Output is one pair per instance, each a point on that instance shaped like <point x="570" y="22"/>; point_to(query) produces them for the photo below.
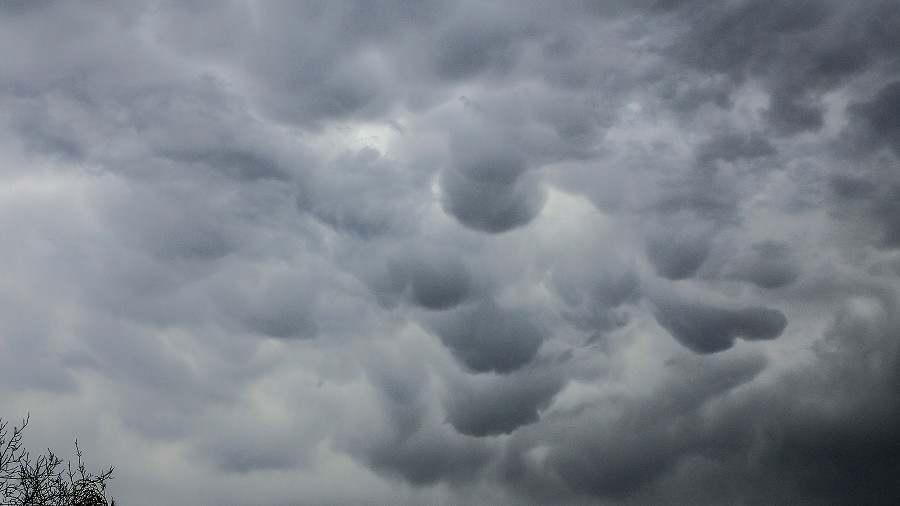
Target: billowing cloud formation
<point x="488" y="338"/>
<point x="708" y="329"/>
<point x="677" y="255"/>
<point x="459" y="252"/>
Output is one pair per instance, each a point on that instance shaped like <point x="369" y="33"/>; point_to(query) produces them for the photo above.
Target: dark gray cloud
<point x="491" y="207"/>
<point x="370" y="199"/>
<point x="730" y="147"/>
<point x="630" y="443"/>
<point x="595" y="290"/>
<point x="708" y="329"/>
<point x="474" y="44"/>
<point x="485" y="337"/>
<point x="874" y="202"/>
<point x="485" y="405"/>
<point x="428" y="458"/>
<point x="456" y="252"/>
<point x="877" y="117"/>
<point x="436" y="281"/>
<point x="798" y="50"/>
<point x="677" y="256"/>
<point x="852" y="188"/>
<point x="283" y="307"/>
<point x="410" y="442"/>
<point x="768" y="264"/>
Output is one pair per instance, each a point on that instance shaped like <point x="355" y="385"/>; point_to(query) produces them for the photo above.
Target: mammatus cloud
<point x="708" y="329"/>
<point x="488" y="338"/>
<point x="456" y="253"/>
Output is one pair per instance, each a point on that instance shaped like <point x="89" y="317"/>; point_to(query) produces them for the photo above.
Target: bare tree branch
<point x="44" y="481"/>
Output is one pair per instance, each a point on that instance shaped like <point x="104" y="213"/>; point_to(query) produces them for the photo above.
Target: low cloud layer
<point x="456" y="252"/>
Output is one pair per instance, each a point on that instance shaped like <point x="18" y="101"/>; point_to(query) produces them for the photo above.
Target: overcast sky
<point x="461" y="252"/>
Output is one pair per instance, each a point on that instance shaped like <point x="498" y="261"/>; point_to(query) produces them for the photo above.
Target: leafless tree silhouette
<point x="46" y="480"/>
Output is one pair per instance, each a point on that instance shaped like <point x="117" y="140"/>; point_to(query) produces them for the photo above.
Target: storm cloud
<point x="456" y="252"/>
<point x="708" y="329"/>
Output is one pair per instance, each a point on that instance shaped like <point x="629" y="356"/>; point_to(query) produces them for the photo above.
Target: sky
<point x="459" y="252"/>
